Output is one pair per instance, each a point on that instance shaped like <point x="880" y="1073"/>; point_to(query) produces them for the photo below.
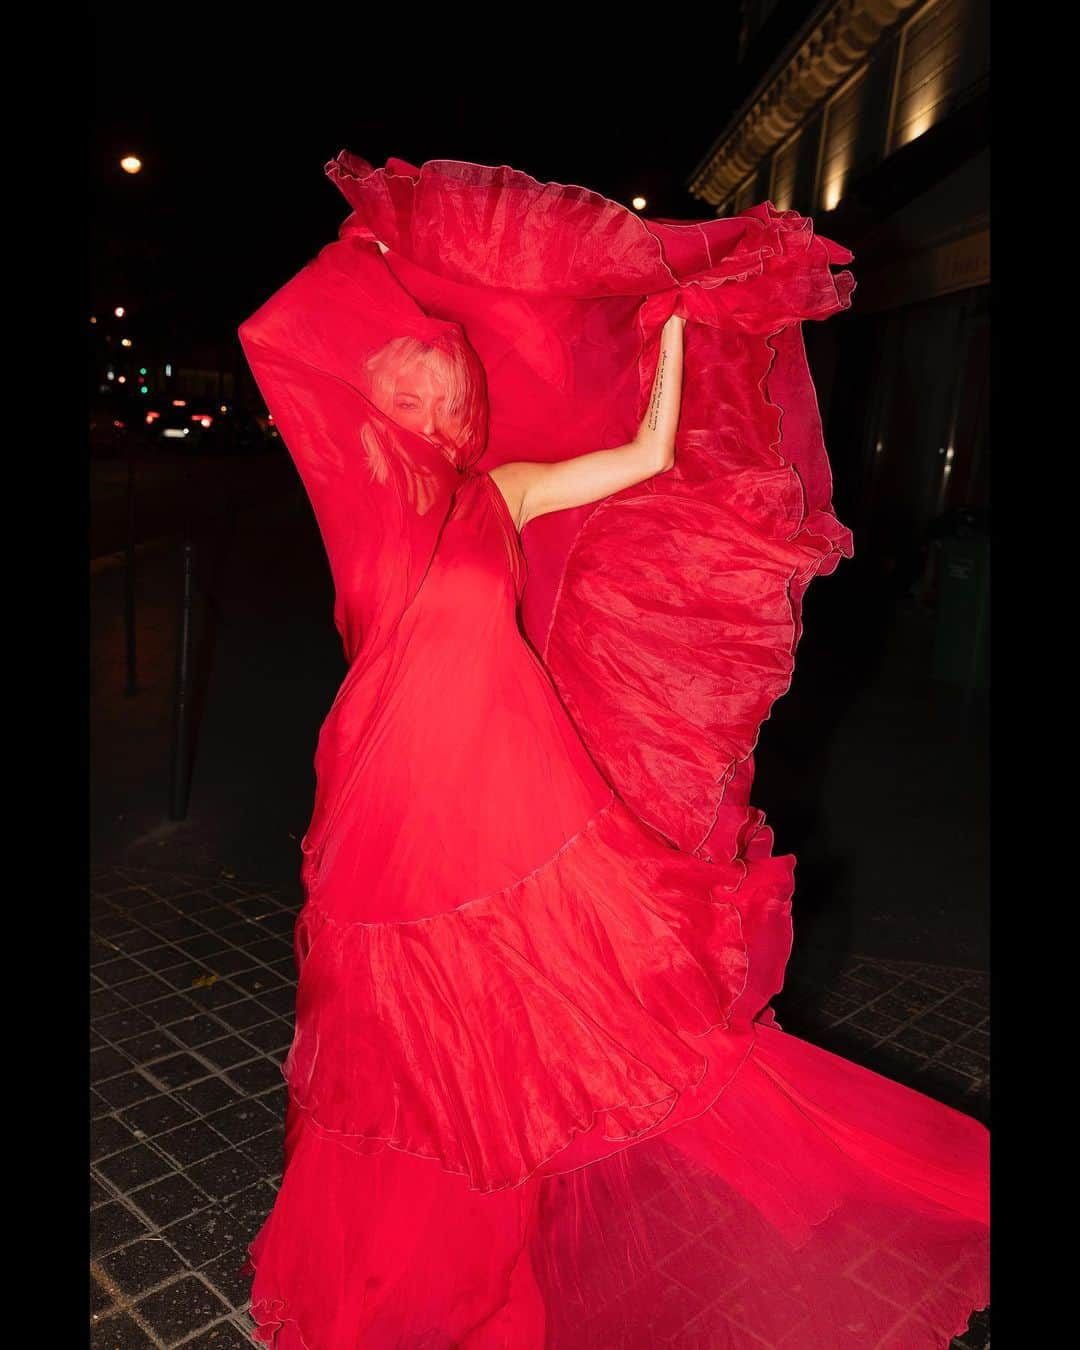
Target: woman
<point x="537" y="1095"/>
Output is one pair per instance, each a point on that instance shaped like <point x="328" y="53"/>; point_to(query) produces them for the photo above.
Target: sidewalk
<point x="191" y="1004"/>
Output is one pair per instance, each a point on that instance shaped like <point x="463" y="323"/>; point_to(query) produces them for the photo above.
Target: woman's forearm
<point x="656" y="434"/>
<point x="533" y="489"/>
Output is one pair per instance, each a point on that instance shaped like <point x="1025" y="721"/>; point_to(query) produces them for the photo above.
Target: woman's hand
<point x="533" y="489"/>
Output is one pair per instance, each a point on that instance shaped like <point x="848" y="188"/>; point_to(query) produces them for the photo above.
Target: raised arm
<point x="534" y="489"/>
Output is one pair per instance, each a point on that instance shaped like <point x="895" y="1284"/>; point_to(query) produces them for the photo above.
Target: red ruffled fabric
<point x="668" y="614"/>
<point x="559" y="1114"/>
<point x="591" y="987"/>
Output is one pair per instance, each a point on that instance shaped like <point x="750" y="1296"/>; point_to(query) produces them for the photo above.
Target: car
<point x="180" y="425"/>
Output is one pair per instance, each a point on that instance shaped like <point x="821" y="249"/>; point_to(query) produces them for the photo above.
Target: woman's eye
<point x="407" y="404"/>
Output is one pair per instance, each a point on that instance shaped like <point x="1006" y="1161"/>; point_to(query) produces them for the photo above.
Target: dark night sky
<point x="235" y="122"/>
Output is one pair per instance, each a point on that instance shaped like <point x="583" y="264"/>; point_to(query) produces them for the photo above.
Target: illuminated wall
<point x="863" y="107"/>
<point x="930" y="64"/>
<point x="841" y="133"/>
<point x="784" y="168"/>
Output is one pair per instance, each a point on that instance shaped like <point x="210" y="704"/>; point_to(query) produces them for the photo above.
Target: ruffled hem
<point x="815" y="1204"/>
<point x="546" y="1025"/>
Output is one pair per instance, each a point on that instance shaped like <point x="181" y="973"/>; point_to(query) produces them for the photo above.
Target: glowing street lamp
<point x="131" y="164"/>
<point x="125" y="342"/>
<point x="119" y="311"/>
<point x="639" y="203"/>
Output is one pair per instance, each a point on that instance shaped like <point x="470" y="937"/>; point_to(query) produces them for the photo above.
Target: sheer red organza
<point x="537" y="1095"/>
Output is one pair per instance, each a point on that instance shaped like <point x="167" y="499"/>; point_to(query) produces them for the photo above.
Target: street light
<point x="125" y="342"/>
<point x="639" y="203"/>
<point x="119" y="311"/>
<point x="131" y="164"/>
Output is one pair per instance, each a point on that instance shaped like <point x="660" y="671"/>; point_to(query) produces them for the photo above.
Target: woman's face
<point x="416" y="400"/>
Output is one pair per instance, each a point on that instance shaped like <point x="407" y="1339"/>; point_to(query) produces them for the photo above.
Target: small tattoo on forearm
<point x="658" y="391"/>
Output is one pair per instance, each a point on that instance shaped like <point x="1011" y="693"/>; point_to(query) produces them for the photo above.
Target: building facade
<point x="872" y="118"/>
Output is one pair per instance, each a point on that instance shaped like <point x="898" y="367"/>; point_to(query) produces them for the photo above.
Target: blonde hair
<point x="453" y="361"/>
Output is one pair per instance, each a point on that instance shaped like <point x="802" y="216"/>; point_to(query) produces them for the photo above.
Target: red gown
<point x="537" y="1095"/>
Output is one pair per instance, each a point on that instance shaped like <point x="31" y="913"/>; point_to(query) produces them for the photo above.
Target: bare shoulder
<point x="513" y="481"/>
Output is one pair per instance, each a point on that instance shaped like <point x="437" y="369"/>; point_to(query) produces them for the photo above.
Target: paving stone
<point x="98" y="1105"/>
<point x="230" y="961"/>
<point x="922" y="1042"/>
<point x="257" y="1076"/>
<point x="101" y="1300"/>
<point x="135" y="941"/>
<point x="267" y="1150"/>
<point x="181" y="1308"/>
<point x="107" y="1062"/>
<point x="224" y="1273"/>
<point x="179" y="1070"/>
<point x="134" y="1167"/>
<point x="258" y="981"/>
<point x="203" y="945"/>
<point x="164" y="959"/>
<point x="149" y="1046"/>
<point x="964" y="1059"/>
<point x="104" y="1002"/>
<point x="225" y="1173"/>
<point x="223" y="1336"/>
<point x="144" y="990"/>
<point x="871" y="1019"/>
<point x="244" y="1015"/>
<point x="209" y="1095"/>
<point x="195" y="1031"/>
<point x="143" y="1265"/>
<point x="111" y="1226"/>
<point x="117" y="971"/>
<point x="171" y="1198"/>
<point x="108" y="1135"/>
<point x="205" y="1235"/>
<point x="119" y="1332"/>
<point x="172" y="1008"/>
<point x="280" y="1001"/>
<point x="179" y="929"/>
<point x="191" y="1143"/>
<point x="272" y="1037"/>
<point x="228" y="1051"/>
<point x="242" y="1121"/>
<point x="187" y="975"/>
<point x="947" y="1027"/>
<point x="126" y="1089"/>
<point x="121" y="1026"/>
<point x="251" y="1206"/>
<point x="157" y="1115"/>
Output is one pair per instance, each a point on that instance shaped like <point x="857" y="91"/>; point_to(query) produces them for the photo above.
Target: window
<point x="841" y="137"/>
<point x="785" y="162"/>
<point x="930" y="68"/>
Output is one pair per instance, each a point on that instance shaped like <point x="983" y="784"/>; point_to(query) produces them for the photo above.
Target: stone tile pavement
<point x="191" y="1004"/>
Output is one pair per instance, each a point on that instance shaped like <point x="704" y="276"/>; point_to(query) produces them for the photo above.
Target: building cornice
<point x="837" y="40"/>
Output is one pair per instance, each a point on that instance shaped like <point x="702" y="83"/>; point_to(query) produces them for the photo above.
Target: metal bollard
<point x="129" y="581"/>
<point x="179" y="784"/>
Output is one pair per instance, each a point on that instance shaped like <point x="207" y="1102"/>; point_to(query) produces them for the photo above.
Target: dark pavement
<point x="870" y="772"/>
